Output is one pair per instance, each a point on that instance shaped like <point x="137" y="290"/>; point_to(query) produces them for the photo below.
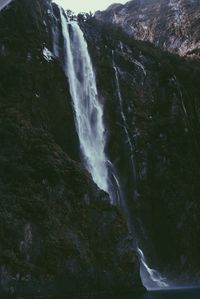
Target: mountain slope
<point x="173" y="25"/>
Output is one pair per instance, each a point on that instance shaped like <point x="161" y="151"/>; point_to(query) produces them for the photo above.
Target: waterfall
<point x="150" y="277"/>
<point x="4" y="3"/>
<point x="123" y="117"/>
<point x="90" y="128"/>
<point x="87" y="107"/>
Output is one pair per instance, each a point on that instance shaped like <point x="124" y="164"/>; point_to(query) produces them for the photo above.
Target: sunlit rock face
<point x="153" y="102"/>
<point x="170" y="24"/>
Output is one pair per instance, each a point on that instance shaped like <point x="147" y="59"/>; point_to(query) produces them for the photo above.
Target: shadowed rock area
<point x="58" y="232"/>
<point x="160" y="103"/>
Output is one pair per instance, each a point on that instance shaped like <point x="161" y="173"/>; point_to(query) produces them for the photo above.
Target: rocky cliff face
<point x="58" y="232"/>
<point x="173" y="25"/>
<point x="152" y="116"/>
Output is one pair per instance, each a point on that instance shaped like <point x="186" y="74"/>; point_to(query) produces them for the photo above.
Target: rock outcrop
<point x="173" y="25"/>
<point x="59" y="234"/>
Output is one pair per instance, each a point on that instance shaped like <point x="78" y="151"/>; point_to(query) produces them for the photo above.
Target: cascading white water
<point x="89" y="123"/>
<point x="123" y="116"/>
<point x="88" y="110"/>
<point x="150" y="277"/>
<point x="4" y="3"/>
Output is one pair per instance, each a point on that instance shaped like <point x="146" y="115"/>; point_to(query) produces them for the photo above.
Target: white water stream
<point x="150" y="277"/>
<point x="89" y="123"/>
<point x="88" y="110"/>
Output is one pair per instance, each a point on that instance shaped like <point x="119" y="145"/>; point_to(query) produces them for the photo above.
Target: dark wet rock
<point x="58" y="232"/>
<point x="160" y="95"/>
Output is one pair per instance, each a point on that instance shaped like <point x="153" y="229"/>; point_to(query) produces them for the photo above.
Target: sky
<point x="87" y="5"/>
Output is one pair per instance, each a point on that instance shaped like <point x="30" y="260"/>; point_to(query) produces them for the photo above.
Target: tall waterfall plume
<point x="87" y="107"/>
<point x="90" y="127"/>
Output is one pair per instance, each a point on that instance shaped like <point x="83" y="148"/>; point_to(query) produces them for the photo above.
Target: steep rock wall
<point x="58" y="232"/>
<point x="160" y="94"/>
